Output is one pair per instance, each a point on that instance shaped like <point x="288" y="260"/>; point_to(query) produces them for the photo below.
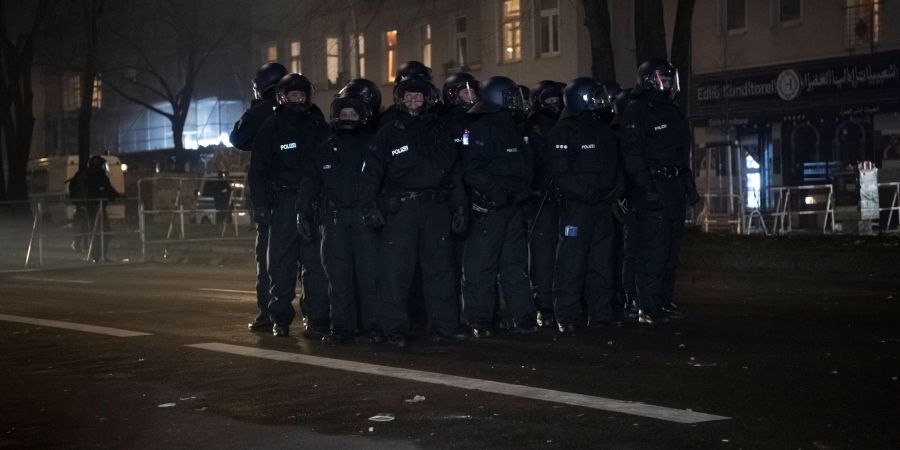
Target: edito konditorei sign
<point x="836" y="83"/>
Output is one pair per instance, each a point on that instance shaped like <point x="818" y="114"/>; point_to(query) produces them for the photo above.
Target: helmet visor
<point x="667" y="81"/>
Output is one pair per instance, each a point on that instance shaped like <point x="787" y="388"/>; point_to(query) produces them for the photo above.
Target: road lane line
<point x="73" y="326"/>
<point x="54" y="280"/>
<point x="227" y="291"/>
<point x="494" y="387"/>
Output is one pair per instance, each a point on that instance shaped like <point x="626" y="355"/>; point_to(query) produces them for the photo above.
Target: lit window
<point x="391" y="41"/>
<point x="863" y="25"/>
<point x="549" y="27"/>
<point x="97" y="98"/>
<point x="462" y="42"/>
<point x="333" y="59"/>
<point x="426" y="44"/>
<point x="358" y="56"/>
<point x="270" y="52"/>
<point x="295" y="57"/>
<point x="512" y="32"/>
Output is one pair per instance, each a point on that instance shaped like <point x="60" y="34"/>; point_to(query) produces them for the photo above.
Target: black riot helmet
<point x="412" y="69"/>
<point x="415" y="84"/>
<point x="294" y="82"/>
<point x="658" y="76"/>
<point x="498" y="94"/>
<point x="353" y="102"/>
<point x="459" y="82"/>
<point x="613" y="89"/>
<point x="585" y="94"/>
<point x="367" y="91"/>
<point x="98" y="163"/>
<point x="266" y="79"/>
<point x="547" y="96"/>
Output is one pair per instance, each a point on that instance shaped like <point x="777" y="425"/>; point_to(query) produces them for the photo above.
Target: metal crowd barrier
<point x="784" y="212"/>
<point x="893" y="209"/>
<point x="179" y="213"/>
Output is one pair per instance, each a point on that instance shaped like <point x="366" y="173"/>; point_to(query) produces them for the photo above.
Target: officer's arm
<point x="373" y="167"/>
<point x="260" y="163"/>
<point x="245" y="129"/>
<point x="458" y="197"/>
<point x="632" y="148"/>
<point x="311" y="184"/>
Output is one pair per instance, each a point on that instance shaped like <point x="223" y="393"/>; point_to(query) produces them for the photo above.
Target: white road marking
<point x="54" y="280"/>
<point x="494" y="387"/>
<point x="73" y="326"/>
<point x="227" y="291"/>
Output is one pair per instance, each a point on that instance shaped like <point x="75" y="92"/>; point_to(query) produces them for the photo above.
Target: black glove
<point x="372" y="217"/>
<point x="261" y="216"/>
<point x="460" y="221"/>
<point x="690" y="188"/>
<point x="304" y="229"/>
<point x="653" y="199"/>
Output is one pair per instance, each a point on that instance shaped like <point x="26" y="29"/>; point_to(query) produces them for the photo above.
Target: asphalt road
<point x="783" y="360"/>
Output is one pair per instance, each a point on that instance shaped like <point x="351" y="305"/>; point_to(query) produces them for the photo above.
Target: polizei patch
<point x="289" y="146"/>
<point x="400" y="150"/>
<point x="661" y="127"/>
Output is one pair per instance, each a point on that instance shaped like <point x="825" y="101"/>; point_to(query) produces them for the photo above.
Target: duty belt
<point x="664" y="172"/>
<point x="423" y="196"/>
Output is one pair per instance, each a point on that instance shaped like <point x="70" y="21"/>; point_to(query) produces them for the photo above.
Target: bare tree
<point x="92" y="10"/>
<point x="649" y="30"/>
<point x="16" y="96"/>
<point x="597" y="21"/>
<point x="681" y="46"/>
<point x="165" y="54"/>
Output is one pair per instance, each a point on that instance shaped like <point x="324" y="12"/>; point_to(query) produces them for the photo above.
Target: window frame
<point x="512" y="21"/>
<point x="333" y="57"/>
<point x="540" y="14"/>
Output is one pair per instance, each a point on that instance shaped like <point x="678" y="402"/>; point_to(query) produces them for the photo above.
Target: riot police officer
<point x="542" y="213"/>
<point x="349" y="245"/>
<point x="498" y="170"/>
<point x="276" y="167"/>
<point x="655" y="150"/>
<point x="627" y="225"/>
<point x="406" y="71"/>
<point x="369" y="93"/>
<point x="412" y="169"/>
<point x="584" y="163"/>
<point x="261" y="108"/>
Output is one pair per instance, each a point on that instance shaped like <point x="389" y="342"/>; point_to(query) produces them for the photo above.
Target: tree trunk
<point x="597" y="21"/>
<point x="649" y="30"/>
<point x="92" y="10"/>
<point x="681" y="49"/>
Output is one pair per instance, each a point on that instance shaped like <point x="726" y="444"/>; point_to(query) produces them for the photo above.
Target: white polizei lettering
<point x="326" y="167"/>
<point x="400" y="150"/>
<point x="588" y="146"/>
<point x="660" y="127"/>
<point x="512" y="150"/>
<point x="289" y="146"/>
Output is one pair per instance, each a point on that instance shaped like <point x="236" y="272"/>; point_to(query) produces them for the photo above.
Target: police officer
<point x="406" y="71"/>
<point x="459" y="94"/>
<point x="498" y="170"/>
<point x="584" y="163"/>
<point x="261" y="108"/>
<point x="349" y="245"/>
<point x="98" y="192"/>
<point x="412" y="168"/>
<point x="624" y="212"/>
<point x="542" y="213"/>
<point x="655" y="150"/>
<point x="369" y="93"/>
<point x="276" y="167"/>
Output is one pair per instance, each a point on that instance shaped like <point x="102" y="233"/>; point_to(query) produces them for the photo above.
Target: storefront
<point x="807" y="123"/>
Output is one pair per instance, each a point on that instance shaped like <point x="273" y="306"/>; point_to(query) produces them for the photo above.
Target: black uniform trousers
<point x="542" y="251"/>
<point x="497" y="244"/>
<point x="418" y="231"/>
<point x="350" y="258"/>
<point x="262" y="272"/>
<point x="288" y="253"/>
<point x="584" y="262"/>
<point x="659" y="241"/>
